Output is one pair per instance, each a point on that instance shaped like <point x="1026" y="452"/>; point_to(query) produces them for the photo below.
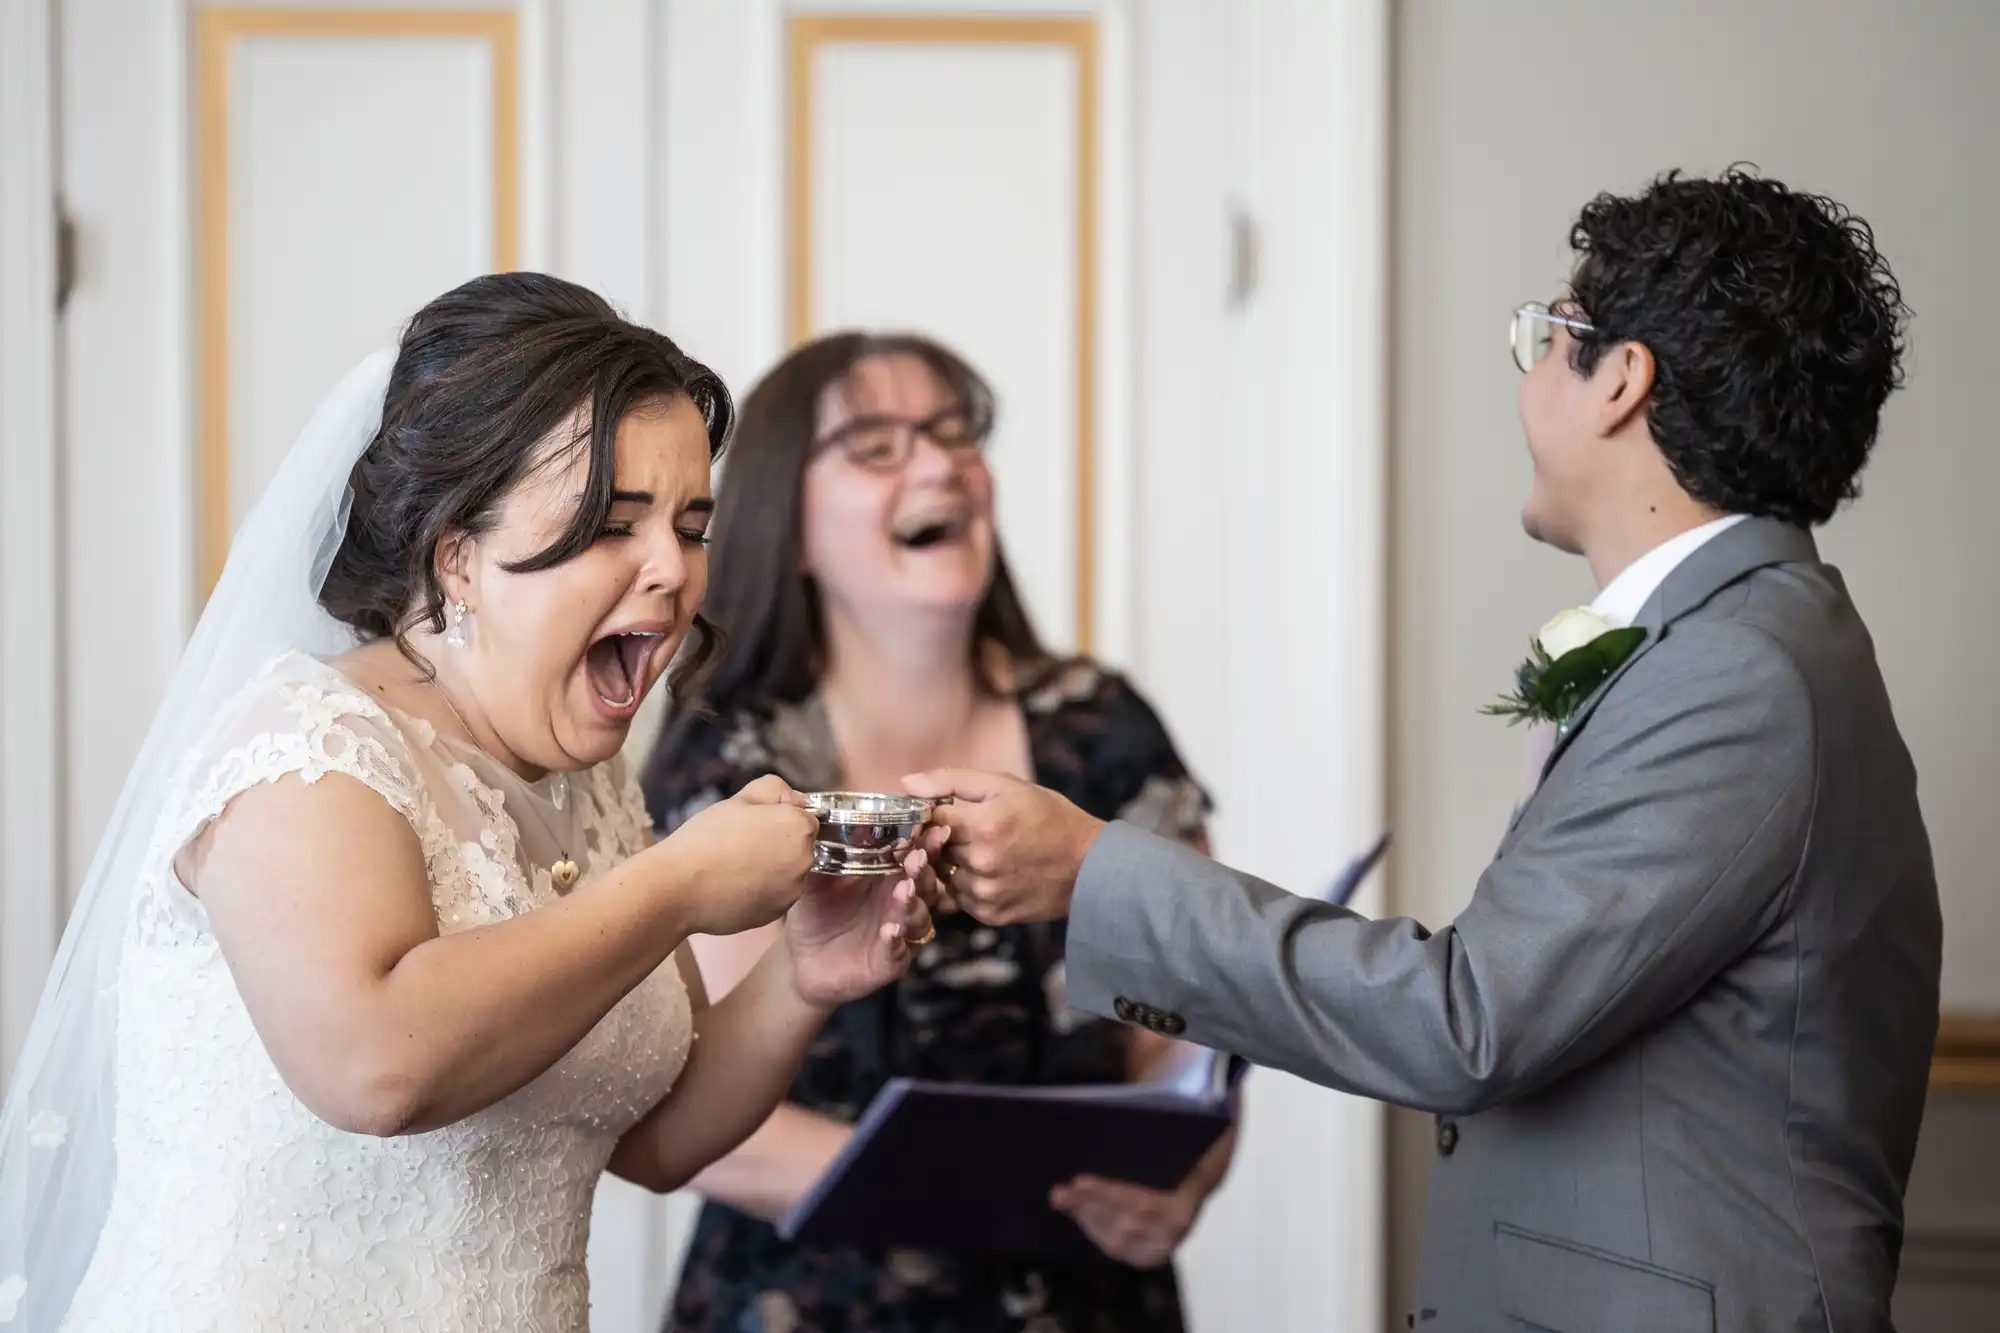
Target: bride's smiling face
<point x="558" y="660"/>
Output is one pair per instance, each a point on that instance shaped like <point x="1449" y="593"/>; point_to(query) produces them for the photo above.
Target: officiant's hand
<point x="1009" y="851"/>
<point x="1131" y="1223"/>
<point x="851" y="936"/>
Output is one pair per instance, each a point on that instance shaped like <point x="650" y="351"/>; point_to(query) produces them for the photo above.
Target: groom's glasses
<point x="1533" y="333"/>
<point x="886" y="444"/>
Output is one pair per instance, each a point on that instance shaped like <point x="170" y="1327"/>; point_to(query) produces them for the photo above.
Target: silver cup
<point x="863" y="832"/>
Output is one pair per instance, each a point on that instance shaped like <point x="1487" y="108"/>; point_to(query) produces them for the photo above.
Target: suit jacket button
<point x="1173" y="1025"/>
<point x="1125" y="1009"/>
<point x="1447" y="1138"/>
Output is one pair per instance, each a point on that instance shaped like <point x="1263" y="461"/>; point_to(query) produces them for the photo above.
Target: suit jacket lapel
<point x="1649" y="622"/>
<point x="1735" y="554"/>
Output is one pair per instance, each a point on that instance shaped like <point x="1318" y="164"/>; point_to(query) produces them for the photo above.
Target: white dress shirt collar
<point x="1625" y="596"/>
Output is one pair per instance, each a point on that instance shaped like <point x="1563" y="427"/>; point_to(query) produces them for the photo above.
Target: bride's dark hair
<point x="484" y="375"/>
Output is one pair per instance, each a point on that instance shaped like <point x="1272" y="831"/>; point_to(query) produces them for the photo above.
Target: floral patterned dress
<point x="979" y="1005"/>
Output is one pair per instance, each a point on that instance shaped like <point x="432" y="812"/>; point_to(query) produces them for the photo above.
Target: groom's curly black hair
<point x="1776" y="328"/>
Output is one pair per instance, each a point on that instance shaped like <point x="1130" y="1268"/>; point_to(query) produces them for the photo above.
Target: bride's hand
<point x="746" y="858"/>
<point x="850" y="936"/>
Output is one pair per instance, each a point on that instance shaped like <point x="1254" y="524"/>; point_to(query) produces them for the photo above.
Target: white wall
<point x="1508" y="119"/>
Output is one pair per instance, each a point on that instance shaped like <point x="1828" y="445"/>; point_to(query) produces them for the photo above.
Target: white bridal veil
<point x="57" y="1160"/>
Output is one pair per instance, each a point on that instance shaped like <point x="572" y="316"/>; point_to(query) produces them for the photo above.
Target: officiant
<point x="874" y="630"/>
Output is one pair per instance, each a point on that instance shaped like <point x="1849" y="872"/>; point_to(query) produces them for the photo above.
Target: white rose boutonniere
<point x="1567" y="659"/>
<point x="1570" y="630"/>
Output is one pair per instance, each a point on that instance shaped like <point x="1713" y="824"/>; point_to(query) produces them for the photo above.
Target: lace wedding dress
<point x="234" y="1207"/>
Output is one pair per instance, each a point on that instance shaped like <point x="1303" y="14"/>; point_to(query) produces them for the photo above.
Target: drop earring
<point x="455" y="616"/>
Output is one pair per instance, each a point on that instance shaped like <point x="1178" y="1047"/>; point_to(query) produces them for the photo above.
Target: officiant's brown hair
<point x="758" y="593"/>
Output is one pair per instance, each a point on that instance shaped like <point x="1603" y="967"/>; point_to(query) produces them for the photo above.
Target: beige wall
<point x="1508" y="117"/>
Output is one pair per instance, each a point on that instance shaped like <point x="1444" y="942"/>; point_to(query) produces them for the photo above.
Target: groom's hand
<point x="1008" y="851"/>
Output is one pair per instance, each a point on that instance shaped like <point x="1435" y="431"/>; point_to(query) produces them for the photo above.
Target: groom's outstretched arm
<point x="1663" y="854"/>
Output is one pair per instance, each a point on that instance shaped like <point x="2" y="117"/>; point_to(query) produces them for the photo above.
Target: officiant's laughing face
<point x="897" y="510"/>
<point x="565" y="655"/>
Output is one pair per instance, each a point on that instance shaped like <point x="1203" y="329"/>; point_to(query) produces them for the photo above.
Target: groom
<point x="1677" y="1045"/>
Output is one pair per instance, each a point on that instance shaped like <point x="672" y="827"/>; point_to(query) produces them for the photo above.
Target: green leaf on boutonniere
<point x="1551" y="690"/>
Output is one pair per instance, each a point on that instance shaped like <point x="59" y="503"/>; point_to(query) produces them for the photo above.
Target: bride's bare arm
<point x="747" y="1049"/>
<point x="843" y="939"/>
<point x="767" y="1171"/>
<point x="319" y="898"/>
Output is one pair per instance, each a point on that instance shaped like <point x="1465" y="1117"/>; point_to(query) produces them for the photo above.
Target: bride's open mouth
<point x="619" y="667"/>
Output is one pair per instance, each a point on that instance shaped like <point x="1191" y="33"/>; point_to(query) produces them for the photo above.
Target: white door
<point x="1190" y="463"/>
<point x="30" y="756"/>
<point x="262" y="193"/>
<point x="1159" y="226"/>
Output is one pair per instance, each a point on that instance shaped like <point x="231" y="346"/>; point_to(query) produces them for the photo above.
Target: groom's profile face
<point x="1558" y="416"/>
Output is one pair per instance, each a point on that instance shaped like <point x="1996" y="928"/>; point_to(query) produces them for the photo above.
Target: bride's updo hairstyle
<point x="484" y="376"/>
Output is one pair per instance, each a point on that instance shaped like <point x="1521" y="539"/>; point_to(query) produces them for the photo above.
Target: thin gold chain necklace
<point x="563" y="872"/>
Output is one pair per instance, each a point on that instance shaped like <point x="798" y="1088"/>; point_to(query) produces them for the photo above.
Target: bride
<point x="378" y="968"/>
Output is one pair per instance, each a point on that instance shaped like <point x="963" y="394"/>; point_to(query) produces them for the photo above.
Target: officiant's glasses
<point x="886" y="444"/>
<point x="1533" y="333"/>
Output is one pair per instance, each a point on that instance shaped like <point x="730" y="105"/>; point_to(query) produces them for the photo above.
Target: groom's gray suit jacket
<point x="1678" y="1043"/>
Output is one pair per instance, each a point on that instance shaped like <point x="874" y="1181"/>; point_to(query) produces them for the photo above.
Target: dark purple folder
<point x="967" y="1168"/>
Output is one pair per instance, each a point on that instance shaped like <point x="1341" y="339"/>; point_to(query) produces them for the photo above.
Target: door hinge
<point x="1242" y="257"/>
<point x="65" y="256"/>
